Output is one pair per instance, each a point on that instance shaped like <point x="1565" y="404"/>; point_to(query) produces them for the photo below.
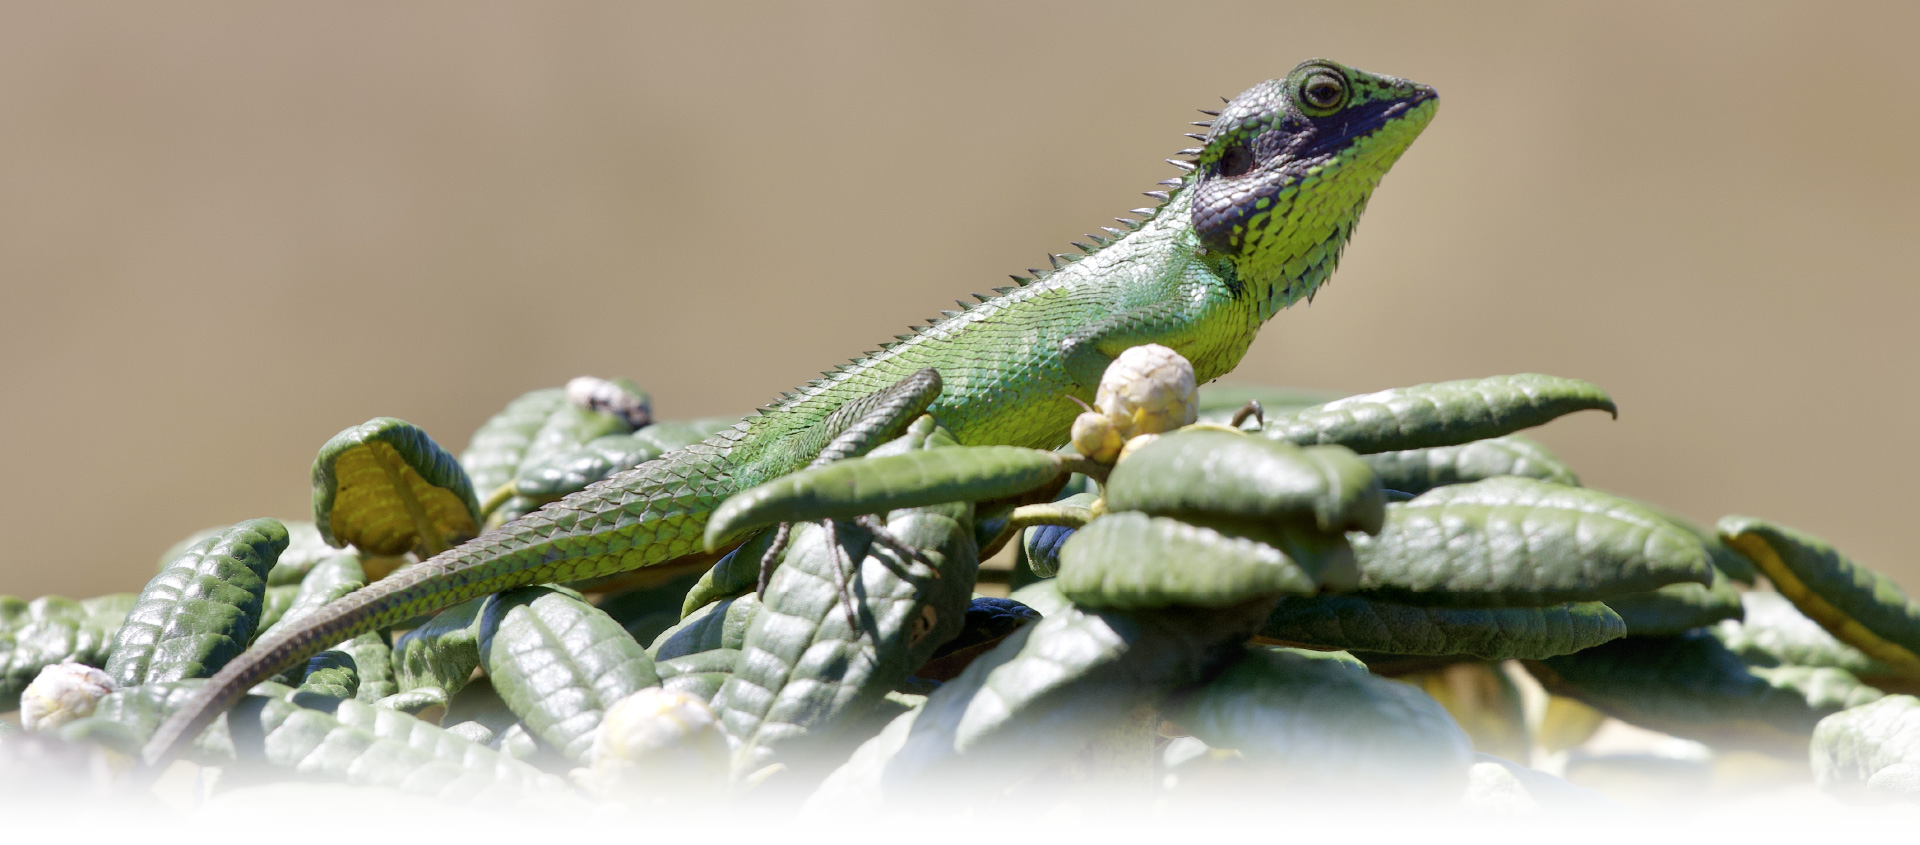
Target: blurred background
<point x="229" y="230"/>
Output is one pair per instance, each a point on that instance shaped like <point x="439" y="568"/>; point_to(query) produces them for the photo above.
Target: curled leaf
<point x="1415" y="471"/>
<point x="1859" y="606"/>
<point x="1773" y="632"/>
<point x="1873" y="748"/>
<point x="1445" y="413"/>
<point x="1518" y="542"/>
<point x="51" y="630"/>
<point x="1678" y="607"/>
<point x="386" y="488"/>
<point x="1359" y="624"/>
<point x="201" y="610"/>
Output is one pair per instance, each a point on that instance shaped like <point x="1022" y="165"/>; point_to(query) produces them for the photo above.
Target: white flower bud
<point x="607" y="397"/>
<point x="1094" y="437"/>
<point x="1148" y="390"/>
<point x="62" y="693"/>
<point x="657" y="743"/>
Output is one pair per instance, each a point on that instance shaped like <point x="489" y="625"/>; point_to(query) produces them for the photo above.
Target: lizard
<point x="1256" y="222"/>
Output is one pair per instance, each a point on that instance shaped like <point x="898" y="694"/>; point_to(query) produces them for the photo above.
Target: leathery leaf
<point x="803" y="673"/>
<point x="1663" y="790"/>
<point x="329" y="580"/>
<point x="719" y="625"/>
<point x="493" y="456"/>
<point x="442" y="653"/>
<point x="551" y="475"/>
<point x="1131" y="560"/>
<point x="1500" y="796"/>
<point x="386" y="488"/>
<point x="1042" y="694"/>
<point x="560" y="663"/>
<point x="1213" y="474"/>
<point x="1445" y="413"/>
<point x="1351" y="622"/>
<point x="1693" y="686"/>
<point x="1415" y="471"/>
<point x="1678" y="607"/>
<point x="51" y="629"/>
<point x="267" y="738"/>
<point x="201" y="610"/>
<point x="878" y="484"/>
<point x="335" y="807"/>
<point x="1871" y="748"/>
<point x="1861" y="607"/>
<point x="368" y="660"/>
<point x="1773" y="632"/>
<point x="1219" y="402"/>
<point x="1518" y="542"/>
<point x="1322" y="723"/>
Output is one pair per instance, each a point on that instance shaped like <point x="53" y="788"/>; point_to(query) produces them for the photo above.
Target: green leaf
<point x="879" y="484"/>
<point x="1854" y="750"/>
<point x="1517" y="542"/>
<point x="372" y="662"/>
<point x="722" y="624"/>
<point x="560" y="663"/>
<point x="494" y="454"/>
<point x="442" y="653"/>
<point x="1775" y="633"/>
<point x="1415" y="471"/>
<point x="328" y="580"/>
<point x="1218" y="402"/>
<point x="1208" y="474"/>
<point x="1663" y="790"/>
<point x="386" y="488"/>
<point x="1692" y="686"/>
<point x="550" y="476"/>
<point x="736" y="572"/>
<point x="1730" y="563"/>
<point x="1051" y="687"/>
<point x="335" y="807"/>
<point x="1322" y="723"/>
<point x="321" y="740"/>
<point x="1446" y="413"/>
<point x="804" y="670"/>
<point x="274" y="604"/>
<point x="1044" y="597"/>
<point x="1351" y="622"/>
<point x="306" y="549"/>
<point x="201" y="610"/>
<point x="50" y="630"/>
<point x="428" y="704"/>
<point x="1676" y="608"/>
<point x="1861" y="607"/>
<point x="1131" y="560"/>
<point x="1500" y="796"/>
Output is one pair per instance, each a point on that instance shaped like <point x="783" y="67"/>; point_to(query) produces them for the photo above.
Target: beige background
<point x="229" y="230"/>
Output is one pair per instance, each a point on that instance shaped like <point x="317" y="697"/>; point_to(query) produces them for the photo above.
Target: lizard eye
<point x="1324" y="91"/>
<point x="1236" y="160"/>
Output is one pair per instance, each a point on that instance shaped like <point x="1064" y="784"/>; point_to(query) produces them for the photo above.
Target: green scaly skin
<point x="1257" y="224"/>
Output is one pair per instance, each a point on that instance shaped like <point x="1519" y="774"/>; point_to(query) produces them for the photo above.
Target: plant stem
<point x="1122" y="790"/>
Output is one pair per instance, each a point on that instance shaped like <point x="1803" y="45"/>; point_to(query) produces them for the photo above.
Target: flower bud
<point x="62" y="693"/>
<point x="1094" y="437"/>
<point x="711" y="817"/>
<point x="1148" y="390"/>
<point x="661" y="753"/>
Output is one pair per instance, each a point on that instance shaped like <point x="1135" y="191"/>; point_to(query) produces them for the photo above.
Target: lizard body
<point x="1257" y="224"/>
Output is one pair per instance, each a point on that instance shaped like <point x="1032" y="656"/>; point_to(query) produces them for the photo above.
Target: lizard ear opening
<point x="1235" y="160"/>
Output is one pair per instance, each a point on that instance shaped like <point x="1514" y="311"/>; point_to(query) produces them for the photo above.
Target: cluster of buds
<point x="657" y="744"/>
<point x="1147" y="390"/>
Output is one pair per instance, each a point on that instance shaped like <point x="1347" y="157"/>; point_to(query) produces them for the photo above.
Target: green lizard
<point x="1256" y="224"/>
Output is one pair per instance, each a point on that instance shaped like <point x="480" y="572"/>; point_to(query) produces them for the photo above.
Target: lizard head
<point x="1288" y="165"/>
